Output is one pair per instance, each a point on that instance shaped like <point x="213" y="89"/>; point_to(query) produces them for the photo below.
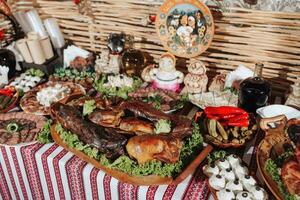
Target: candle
<point x="47" y="48"/>
<point x="23" y="48"/>
<point x="36" y="23"/>
<point x="55" y="33"/>
<point x="36" y="51"/>
<point x="23" y="21"/>
<point x="32" y="35"/>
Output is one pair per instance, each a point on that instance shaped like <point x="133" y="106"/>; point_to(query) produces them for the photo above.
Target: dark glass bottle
<point x="255" y="91"/>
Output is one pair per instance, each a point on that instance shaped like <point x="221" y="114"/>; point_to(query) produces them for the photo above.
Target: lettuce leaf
<point x="274" y="171"/>
<point x="115" y="91"/>
<point x="88" y="107"/>
<point x="45" y="135"/>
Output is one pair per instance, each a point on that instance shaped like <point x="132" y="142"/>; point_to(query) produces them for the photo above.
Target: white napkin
<point x="71" y="52"/>
<point x="240" y="73"/>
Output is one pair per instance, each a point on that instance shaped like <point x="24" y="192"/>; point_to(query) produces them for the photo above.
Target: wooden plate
<point x="261" y="156"/>
<point x="13" y="104"/>
<point x="31" y="133"/>
<point x="30" y="104"/>
<point x="185" y="27"/>
<point x="135" y="180"/>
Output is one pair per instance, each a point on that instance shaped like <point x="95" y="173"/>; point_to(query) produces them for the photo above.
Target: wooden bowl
<point x="136" y="180"/>
<point x="230" y="144"/>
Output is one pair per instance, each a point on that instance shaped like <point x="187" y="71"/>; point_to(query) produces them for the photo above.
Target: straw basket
<point x="242" y="36"/>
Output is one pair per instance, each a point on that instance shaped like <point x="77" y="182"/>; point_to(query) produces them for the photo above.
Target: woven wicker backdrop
<point x="242" y="36"/>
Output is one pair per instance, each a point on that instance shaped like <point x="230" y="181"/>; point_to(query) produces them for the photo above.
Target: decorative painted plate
<point x="185" y="27"/>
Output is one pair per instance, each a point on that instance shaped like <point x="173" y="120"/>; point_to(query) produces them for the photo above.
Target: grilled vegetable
<point x="222" y="131"/>
<point x="212" y="128"/>
<point x="2" y="98"/>
<point x="5" y="102"/>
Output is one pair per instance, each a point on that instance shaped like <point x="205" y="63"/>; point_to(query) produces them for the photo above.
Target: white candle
<point x="55" y="33"/>
<point x="24" y="50"/>
<point x="47" y="48"/>
<point x="36" y="51"/>
<point x="23" y="21"/>
<point x="36" y="23"/>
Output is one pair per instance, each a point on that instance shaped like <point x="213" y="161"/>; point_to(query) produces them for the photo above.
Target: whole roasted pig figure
<point x="112" y="144"/>
<point x="145" y="148"/>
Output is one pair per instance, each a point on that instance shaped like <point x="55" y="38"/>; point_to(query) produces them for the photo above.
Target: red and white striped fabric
<point x="50" y="172"/>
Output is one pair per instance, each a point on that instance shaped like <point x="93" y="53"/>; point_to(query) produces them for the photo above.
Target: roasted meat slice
<point x="290" y="174"/>
<point x="112" y="144"/>
<point x="106" y="118"/>
<point x="297" y="154"/>
<point x="142" y="109"/>
<point x="182" y="126"/>
<point x="137" y="126"/>
<point x="145" y="148"/>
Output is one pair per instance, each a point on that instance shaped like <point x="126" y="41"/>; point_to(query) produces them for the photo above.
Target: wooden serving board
<point x="136" y="180"/>
<point x="261" y="157"/>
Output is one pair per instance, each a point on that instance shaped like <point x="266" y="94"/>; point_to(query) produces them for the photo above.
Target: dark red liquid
<point x="254" y="93"/>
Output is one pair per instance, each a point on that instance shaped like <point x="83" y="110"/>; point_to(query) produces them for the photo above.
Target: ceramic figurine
<point x="218" y="83"/>
<point x="166" y="76"/>
<point x="196" y="80"/>
<point x="101" y="65"/>
<point x="116" y="45"/>
<point x="294" y="97"/>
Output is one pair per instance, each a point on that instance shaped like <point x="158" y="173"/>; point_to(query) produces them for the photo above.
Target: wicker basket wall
<point x="242" y="36"/>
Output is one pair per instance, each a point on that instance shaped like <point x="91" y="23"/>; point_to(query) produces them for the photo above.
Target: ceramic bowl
<point x="276" y="109"/>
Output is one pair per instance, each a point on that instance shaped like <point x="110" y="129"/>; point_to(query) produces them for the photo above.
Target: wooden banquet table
<point x="47" y="171"/>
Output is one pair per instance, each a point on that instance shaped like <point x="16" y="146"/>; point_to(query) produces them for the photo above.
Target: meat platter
<point x="19" y="128"/>
<point x="37" y="101"/>
<point x="278" y="156"/>
<point x="130" y="141"/>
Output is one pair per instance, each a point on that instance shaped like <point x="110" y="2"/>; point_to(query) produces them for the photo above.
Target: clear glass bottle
<point x="255" y="91"/>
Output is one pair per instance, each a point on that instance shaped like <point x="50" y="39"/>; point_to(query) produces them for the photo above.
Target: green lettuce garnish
<point x="89" y="107"/>
<point x="216" y="155"/>
<point x="162" y="126"/>
<point x="191" y="148"/>
<point x="35" y="72"/>
<point x="274" y="171"/>
<point x="116" y="91"/>
<point x="45" y="135"/>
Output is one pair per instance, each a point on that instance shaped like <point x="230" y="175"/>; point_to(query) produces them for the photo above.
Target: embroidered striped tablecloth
<point x="50" y="172"/>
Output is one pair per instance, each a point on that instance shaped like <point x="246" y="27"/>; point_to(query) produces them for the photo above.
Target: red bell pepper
<point x="224" y="110"/>
<point x="7" y="92"/>
<point x="244" y="123"/>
